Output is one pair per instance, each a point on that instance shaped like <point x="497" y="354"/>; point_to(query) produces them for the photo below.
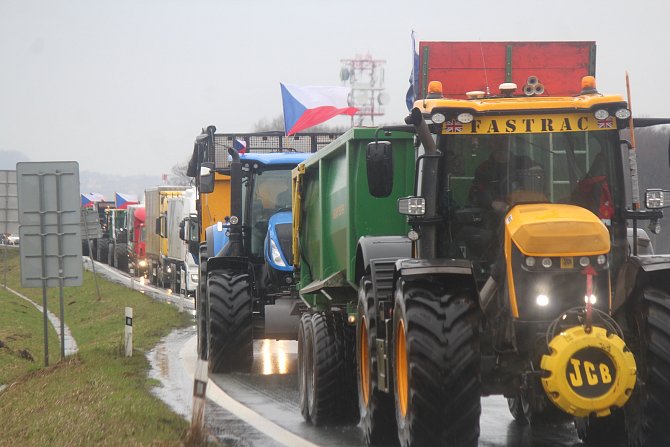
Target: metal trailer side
<point x="333" y="210"/>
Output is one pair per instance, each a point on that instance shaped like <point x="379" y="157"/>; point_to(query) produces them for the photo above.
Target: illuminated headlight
<point x="438" y="118"/>
<point x="413" y="235"/>
<point x="601" y="259"/>
<point x="143" y="263"/>
<point x="412" y="206"/>
<point x="276" y="256"/>
<point x="169" y="269"/>
<point x="584" y="261"/>
<point x="654" y="199"/>
<point x="465" y="117"/>
<point x="194" y="277"/>
<point x="590" y="299"/>
<point x="601" y="114"/>
<point x="233" y="220"/>
<point x="530" y="261"/>
<point x="351" y="319"/>
<point x="622" y="114"/>
<point x="542" y="300"/>
<point x="546" y="262"/>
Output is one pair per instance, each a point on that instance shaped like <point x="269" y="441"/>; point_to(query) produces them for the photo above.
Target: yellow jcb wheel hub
<point x="364" y="361"/>
<point x="588" y="372"/>
<point x="401" y="367"/>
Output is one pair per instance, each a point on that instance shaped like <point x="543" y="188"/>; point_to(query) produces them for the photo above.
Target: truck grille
<point x="285" y="235"/>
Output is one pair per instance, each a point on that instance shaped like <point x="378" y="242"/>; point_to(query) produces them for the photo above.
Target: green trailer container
<point x="336" y="210"/>
<point x="338" y="226"/>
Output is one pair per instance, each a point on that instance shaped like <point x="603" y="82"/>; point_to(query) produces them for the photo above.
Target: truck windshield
<point x="495" y="172"/>
<point x="271" y="193"/>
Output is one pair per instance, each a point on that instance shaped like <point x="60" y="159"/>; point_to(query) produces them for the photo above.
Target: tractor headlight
<point x="584" y="261"/>
<point x="601" y="259"/>
<point x="622" y="114"/>
<point x="547" y="262"/>
<point x="601" y="114"/>
<point x="542" y="300"/>
<point x="194" y="277"/>
<point x="143" y="263"/>
<point x="590" y="299"/>
<point x="530" y="261"/>
<point x="276" y="255"/>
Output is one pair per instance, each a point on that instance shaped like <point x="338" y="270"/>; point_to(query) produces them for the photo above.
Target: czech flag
<point x="240" y="145"/>
<point x="307" y="106"/>
<point x="123" y="200"/>
<point x="89" y="199"/>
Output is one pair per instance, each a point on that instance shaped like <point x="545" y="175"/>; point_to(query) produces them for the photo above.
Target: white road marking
<point x="216" y="394"/>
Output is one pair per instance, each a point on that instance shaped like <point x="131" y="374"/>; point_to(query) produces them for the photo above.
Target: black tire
<point x="201" y="306"/>
<point x="94" y="247"/>
<point x="516" y="409"/>
<point x="436" y="366"/>
<point x="84" y="247"/>
<point x="324" y="395"/>
<point x="648" y="411"/>
<point x="230" y="323"/>
<point x="346" y="338"/>
<point x="305" y="350"/>
<point x="121" y="256"/>
<point x="103" y="251"/>
<point x="603" y="432"/>
<point x="375" y="407"/>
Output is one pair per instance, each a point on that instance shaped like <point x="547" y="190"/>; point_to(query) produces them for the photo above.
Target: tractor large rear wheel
<point x="375" y="406"/>
<point x="648" y="411"/>
<point x="436" y="361"/>
<point x="230" y="330"/>
<point x="121" y="257"/>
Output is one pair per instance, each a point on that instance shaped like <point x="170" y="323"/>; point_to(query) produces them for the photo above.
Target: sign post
<point x="50" y="232"/>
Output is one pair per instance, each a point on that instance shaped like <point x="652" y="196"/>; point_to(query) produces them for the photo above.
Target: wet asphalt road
<point x="272" y="391"/>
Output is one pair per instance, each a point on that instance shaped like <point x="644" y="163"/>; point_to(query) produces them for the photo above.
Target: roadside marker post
<point x="199" y="396"/>
<point x="128" y="332"/>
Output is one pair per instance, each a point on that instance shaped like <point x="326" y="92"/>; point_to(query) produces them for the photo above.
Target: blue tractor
<point x="246" y="259"/>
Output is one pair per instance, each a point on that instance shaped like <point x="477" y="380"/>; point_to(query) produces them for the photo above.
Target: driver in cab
<point x="495" y="178"/>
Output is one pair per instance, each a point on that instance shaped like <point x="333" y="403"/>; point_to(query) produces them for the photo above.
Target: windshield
<point x="498" y="171"/>
<point x="271" y="193"/>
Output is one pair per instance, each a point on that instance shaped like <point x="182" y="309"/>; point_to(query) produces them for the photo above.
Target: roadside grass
<point x="98" y="396"/>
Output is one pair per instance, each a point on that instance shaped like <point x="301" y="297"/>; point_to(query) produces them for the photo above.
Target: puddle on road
<point x="176" y="388"/>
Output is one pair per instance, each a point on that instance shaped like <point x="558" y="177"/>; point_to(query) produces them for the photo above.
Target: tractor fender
<point x="238" y="264"/>
<point x="640" y="271"/>
<point x="380" y="247"/>
<point x="454" y="273"/>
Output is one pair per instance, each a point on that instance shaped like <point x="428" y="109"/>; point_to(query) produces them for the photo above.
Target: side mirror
<point x="207" y="178"/>
<point x="182" y="234"/>
<point x="379" y="162"/>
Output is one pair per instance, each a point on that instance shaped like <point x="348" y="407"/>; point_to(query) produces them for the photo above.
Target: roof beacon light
<point x="588" y="85"/>
<point x="507" y="88"/>
<point x="434" y="90"/>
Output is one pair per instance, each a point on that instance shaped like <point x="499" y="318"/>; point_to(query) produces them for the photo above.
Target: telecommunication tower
<point x="365" y="75"/>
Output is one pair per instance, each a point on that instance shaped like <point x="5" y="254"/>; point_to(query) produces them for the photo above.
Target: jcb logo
<point x="588" y="370"/>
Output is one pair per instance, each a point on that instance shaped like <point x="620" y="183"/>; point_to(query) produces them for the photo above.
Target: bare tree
<point x="178" y="175"/>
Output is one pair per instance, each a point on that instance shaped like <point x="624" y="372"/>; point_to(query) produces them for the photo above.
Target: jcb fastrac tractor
<point x="515" y="277"/>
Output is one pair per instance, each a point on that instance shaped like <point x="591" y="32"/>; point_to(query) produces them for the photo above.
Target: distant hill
<point x="106" y="184"/>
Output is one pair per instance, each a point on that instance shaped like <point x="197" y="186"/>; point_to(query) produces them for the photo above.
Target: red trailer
<point x="554" y="67"/>
<point x="137" y="255"/>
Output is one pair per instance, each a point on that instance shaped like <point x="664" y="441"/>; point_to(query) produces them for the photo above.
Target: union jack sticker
<point x="453" y="126"/>
<point x="607" y="123"/>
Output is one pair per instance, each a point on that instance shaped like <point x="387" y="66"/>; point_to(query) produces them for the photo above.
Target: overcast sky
<point x="125" y="86"/>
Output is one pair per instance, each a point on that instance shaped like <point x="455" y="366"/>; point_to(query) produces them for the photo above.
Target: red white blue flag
<point x="122" y="200"/>
<point x="88" y="199"/>
<point x="307" y="106"/>
<point x="240" y="145"/>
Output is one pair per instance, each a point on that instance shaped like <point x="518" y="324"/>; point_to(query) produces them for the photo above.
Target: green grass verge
<point x="97" y="397"/>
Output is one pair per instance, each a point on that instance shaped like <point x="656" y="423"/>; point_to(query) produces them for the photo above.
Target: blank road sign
<point x="50" y="227"/>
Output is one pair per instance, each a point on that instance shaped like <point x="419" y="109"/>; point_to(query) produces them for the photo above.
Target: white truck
<point x="181" y="228"/>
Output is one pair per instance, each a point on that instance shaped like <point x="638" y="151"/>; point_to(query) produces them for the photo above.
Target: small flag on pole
<point x="240" y="145"/>
<point x="307" y="106"/>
